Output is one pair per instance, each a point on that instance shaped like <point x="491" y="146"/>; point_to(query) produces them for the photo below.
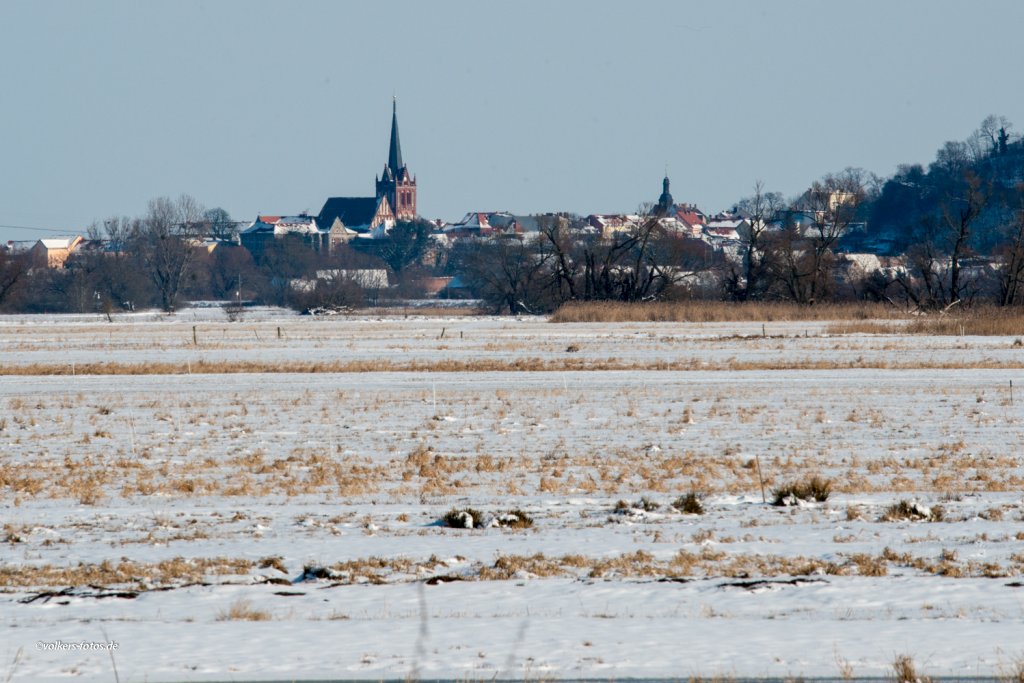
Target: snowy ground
<point x="281" y="525"/>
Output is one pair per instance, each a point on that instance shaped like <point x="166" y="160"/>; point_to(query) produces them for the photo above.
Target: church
<point x="395" y="200"/>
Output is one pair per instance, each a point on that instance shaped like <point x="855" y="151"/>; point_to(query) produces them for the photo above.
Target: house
<point x="473" y="224"/>
<point x="608" y="225"/>
<point x="53" y="252"/>
<point x="726" y="227"/>
<point x="14" y="247"/>
<point x="691" y="219"/>
<point x="347" y="217"/>
<point x="267" y="228"/>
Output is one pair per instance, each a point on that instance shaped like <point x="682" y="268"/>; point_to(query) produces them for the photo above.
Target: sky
<point x="271" y="107"/>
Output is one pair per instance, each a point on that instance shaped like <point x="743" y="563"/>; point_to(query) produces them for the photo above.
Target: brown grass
<point x="905" y="671"/>
<point x="717" y="311"/>
<point x="124" y="572"/>
<point x="981" y="322"/>
<point x="242" y="610"/>
<point x="530" y="364"/>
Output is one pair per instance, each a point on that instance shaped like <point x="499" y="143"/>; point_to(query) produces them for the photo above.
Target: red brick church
<point x="395" y="199"/>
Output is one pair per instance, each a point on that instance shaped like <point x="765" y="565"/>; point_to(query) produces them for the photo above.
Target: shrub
<point x="468" y="518"/>
<point x="514" y="519"/>
<point x="645" y="504"/>
<point x="464" y="518"/>
<point x="690" y="504"/>
<point x="912" y="511"/>
<point x="814" y="489"/>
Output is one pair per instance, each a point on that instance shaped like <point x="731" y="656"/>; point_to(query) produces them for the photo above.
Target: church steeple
<point x="395" y="151"/>
<point x="666" y="205"/>
<point x="396" y="184"/>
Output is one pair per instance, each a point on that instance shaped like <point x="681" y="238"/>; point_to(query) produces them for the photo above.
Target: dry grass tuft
<point x="242" y="610"/>
<point x="273" y="562"/>
<point x="173" y="572"/>
<point x="1013" y="672"/>
<point x="905" y="671"/>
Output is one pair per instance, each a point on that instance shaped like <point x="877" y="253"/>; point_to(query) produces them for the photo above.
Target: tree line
<point x="179" y="251"/>
<point x="951" y="233"/>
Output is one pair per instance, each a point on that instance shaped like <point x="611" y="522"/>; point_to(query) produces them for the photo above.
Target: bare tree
<point x="761" y="211"/>
<point x="802" y="254"/>
<point x="510" y="273"/>
<point x="217" y="224"/>
<point x="404" y="245"/>
<point x="165" y="242"/>
<point x="944" y="240"/>
<point x="958" y="214"/>
<point x="1010" y="255"/>
<point x="641" y="263"/>
<point x="13" y="268"/>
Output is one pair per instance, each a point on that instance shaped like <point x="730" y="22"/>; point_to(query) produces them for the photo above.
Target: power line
<point x="30" y="227"/>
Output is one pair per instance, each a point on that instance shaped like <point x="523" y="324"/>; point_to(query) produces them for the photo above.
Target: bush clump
<point x="469" y="518"/>
<point x="645" y="504"/>
<point x="912" y="511"/>
<point x="464" y="518"/>
<point x="691" y="503"/>
<point x="514" y="519"/>
<point x="815" y="489"/>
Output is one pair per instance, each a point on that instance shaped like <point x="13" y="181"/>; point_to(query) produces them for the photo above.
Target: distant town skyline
<point x="268" y="107"/>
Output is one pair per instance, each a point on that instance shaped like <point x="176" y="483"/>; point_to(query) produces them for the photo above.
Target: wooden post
<point x="195" y="341"/>
<point x="278" y="331"/>
<point x="763" y="333"/>
<point x="1011" y="392"/>
<point x="760" y="477"/>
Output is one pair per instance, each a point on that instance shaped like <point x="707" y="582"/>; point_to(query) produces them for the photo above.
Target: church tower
<point x="666" y="206"/>
<point x="396" y="183"/>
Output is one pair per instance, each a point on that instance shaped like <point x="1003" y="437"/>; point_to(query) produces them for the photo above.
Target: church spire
<point x="395" y="151"/>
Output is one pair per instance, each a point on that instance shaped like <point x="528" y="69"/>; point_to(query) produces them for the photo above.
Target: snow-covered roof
<point x="60" y="242"/>
<point x="283" y="225"/>
<point x="18" y="246"/>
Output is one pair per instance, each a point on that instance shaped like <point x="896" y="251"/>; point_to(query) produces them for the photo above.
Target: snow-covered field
<point x="227" y="525"/>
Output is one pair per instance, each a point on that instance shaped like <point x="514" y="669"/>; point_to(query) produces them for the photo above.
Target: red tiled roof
<point x="691" y="218"/>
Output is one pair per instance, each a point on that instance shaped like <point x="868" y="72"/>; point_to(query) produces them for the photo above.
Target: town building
<point x="395" y="198"/>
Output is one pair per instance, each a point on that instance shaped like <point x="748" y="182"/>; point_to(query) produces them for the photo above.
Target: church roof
<point x="353" y="211"/>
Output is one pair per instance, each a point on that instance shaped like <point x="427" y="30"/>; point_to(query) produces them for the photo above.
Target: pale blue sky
<point x="271" y="107"/>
